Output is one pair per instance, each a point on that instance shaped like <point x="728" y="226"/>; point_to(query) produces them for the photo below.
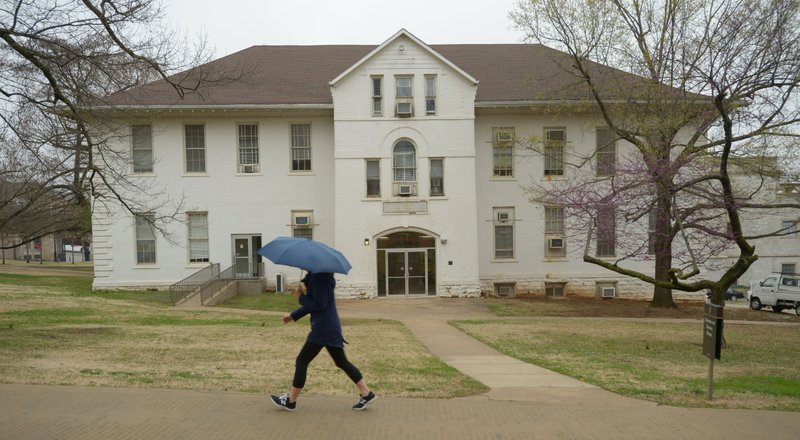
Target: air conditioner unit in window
<point x="405" y="190"/>
<point x="302" y="220"/>
<point x="404" y="108"/>
<point x="504" y="136"/>
<point x="608" y="292"/>
<point x="555" y="243"/>
<point x="249" y="169"/>
<point x="503" y="216"/>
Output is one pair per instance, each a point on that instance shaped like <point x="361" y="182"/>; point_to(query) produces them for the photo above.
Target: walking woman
<point x="326" y="332"/>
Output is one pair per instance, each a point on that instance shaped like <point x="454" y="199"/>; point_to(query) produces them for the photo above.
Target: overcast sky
<point x="233" y="25"/>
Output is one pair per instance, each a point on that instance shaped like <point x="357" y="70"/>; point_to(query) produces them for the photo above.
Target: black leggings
<point x="310" y="351"/>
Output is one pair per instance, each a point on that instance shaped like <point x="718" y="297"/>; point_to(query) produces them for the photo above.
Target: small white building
<point x="399" y="155"/>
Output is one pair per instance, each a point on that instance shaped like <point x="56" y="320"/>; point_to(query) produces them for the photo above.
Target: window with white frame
<point x="430" y="94"/>
<point x="554" y="241"/>
<point x="606" y="232"/>
<point x="505" y="289"/>
<point x="503" y="218"/>
<point x="606" y="152"/>
<point x="788" y="268"/>
<point x="248" y="148"/>
<point x="555" y="140"/>
<point x="437" y="177"/>
<point x="503" y="152"/>
<point x="142" y="148"/>
<point x="197" y="236"/>
<point x="195" y="144"/>
<point x="404" y="162"/>
<point x="404" y="96"/>
<point x="373" y="177"/>
<point x="145" y="238"/>
<point x="554" y="289"/>
<point x="303" y="224"/>
<point x="789" y="226"/>
<point x="301" y="147"/>
<point x="652" y="219"/>
<point x="377" y="95"/>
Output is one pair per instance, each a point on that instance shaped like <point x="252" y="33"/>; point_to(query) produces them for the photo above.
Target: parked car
<point x="732" y="294"/>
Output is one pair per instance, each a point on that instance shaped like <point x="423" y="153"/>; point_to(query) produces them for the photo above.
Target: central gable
<point x="403" y="51"/>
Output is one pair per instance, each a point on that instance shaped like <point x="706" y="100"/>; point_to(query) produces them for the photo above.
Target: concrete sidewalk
<point x="525" y="402"/>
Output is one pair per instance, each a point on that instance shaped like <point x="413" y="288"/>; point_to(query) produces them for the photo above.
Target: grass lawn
<point x="658" y="361"/>
<point x="56" y="330"/>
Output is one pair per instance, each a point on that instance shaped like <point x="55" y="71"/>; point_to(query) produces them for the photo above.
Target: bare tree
<point x="59" y="59"/>
<point x="717" y="97"/>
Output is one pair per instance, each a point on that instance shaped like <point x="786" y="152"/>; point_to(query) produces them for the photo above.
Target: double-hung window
<point x="430" y="94"/>
<point x="437" y="177"/>
<point x="197" y="223"/>
<point x="606" y="232"/>
<point x="142" y="148"/>
<point x="652" y="219"/>
<point x="145" y="238"/>
<point x="555" y="242"/>
<point x="503" y="233"/>
<point x="301" y="147"/>
<point x="195" y="144"/>
<point x="373" y="178"/>
<point x="303" y="224"/>
<point x="248" y="148"/>
<point x="554" y="145"/>
<point x="503" y="152"/>
<point x="606" y="152"/>
<point x="377" y="95"/>
<point x="404" y="95"/>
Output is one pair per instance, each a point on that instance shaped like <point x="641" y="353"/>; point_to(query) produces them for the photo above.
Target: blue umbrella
<point x="310" y="255"/>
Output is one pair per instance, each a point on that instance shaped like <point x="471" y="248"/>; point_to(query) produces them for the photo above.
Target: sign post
<point x="712" y="341"/>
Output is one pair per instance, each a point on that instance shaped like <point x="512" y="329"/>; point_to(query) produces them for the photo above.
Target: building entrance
<point x="406" y="264"/>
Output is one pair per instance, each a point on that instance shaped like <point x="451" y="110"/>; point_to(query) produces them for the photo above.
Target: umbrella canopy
<point x="313" y="256"/>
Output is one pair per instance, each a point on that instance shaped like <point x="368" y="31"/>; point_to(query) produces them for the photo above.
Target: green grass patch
<point x="658" y="361"/>
<point x="270" y="301"/>
<point x="57" y="331"/>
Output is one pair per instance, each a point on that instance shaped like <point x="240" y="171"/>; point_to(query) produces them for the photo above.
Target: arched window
<point x="405" y="162"/>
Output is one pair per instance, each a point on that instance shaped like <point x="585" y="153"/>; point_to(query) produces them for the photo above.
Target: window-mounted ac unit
<point x="555" y="243"/>
<point x="503" y="216"/>
<point x="302" y="220"/>
<point x="249" y="169"/>
<point x="405" y="190"/>
<point x="608" y="292"/>
<point x="504" y="136"/>
<point x="404" y="108"/>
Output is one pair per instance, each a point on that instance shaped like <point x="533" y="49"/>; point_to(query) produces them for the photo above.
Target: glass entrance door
<point x="245" y="258"/>
<point x="406" y="272"/>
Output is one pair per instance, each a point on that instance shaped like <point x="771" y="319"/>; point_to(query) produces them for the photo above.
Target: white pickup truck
<point x="779" y="292"/>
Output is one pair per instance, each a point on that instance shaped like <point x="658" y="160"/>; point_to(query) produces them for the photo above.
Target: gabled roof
<point x="301" y="76"/>
<point x="392" y="39"/>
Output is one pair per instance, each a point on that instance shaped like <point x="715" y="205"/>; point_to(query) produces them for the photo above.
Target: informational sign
<point x="712" y="331"/>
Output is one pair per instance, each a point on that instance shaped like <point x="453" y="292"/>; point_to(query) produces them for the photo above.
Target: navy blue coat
<point x="326" y="329"/>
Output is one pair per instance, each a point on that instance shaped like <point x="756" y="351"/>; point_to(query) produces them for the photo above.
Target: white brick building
<point x="398" y="155"/>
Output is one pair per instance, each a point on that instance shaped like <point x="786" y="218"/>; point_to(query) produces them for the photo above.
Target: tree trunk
<point x="662" y="297"/>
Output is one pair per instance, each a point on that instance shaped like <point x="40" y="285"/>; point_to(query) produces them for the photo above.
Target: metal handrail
<point x="184" y="287"/>
<point x="212" y="286"/>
